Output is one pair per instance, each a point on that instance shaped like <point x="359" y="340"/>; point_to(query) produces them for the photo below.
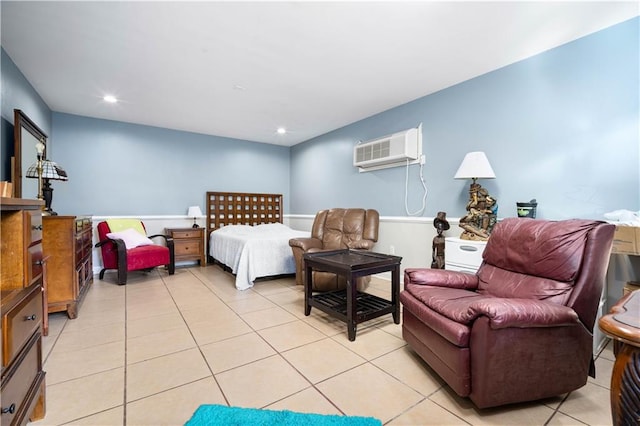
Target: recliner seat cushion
<point x="454" y="332"/>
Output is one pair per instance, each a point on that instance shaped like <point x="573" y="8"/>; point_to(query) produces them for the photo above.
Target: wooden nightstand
<point x="188" y="244"/>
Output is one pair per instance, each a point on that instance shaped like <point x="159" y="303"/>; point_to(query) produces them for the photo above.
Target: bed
<point x="246" y="235"/>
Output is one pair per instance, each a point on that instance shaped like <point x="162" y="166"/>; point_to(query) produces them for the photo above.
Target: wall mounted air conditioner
<point x="389" y="151"/>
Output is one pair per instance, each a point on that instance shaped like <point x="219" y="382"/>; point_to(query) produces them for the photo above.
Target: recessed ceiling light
<point x="110" y="98"/>
<point x="281" y="130"/>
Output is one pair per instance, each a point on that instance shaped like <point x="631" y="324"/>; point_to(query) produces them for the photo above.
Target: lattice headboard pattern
<point x="238" y="208"/>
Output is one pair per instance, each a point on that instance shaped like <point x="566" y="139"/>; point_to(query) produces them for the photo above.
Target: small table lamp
<point x="481" y="208"/>
<point x="46" y="171"/>
<point x="194" y="212"/>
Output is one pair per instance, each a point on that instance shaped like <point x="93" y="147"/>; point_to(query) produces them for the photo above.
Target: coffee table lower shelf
<point x="368" y="306"/>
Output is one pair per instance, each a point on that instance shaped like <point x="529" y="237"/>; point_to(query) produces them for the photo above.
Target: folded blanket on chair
<point x="117" y="225"/>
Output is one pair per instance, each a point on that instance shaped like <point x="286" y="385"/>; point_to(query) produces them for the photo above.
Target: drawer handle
<point x="10" y="409"/>
<point x="30" y="317"/>
<point x="40" y="262"/>
<point x="468" y="248"/>
<point x="37" y="228"/>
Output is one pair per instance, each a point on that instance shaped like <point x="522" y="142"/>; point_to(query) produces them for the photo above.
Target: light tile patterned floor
<point x="151" y="352"/>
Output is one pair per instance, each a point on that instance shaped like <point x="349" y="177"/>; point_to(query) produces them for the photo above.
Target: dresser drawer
<point x="20" y="382"/>
<point x="34" y="225"/>
<point x="34" y="264"/>
<point x="20" y="322"/>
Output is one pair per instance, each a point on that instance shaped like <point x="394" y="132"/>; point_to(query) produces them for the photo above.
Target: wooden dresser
<point x="67" y="246"/>
<point x="22" y="279"/>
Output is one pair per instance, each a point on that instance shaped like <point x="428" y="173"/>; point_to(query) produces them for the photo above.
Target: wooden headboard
<point x="239" y="208"/>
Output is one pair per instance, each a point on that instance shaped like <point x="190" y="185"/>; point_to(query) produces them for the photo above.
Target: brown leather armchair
<point x="336" y="229"/>
<point x="521" y="328"/>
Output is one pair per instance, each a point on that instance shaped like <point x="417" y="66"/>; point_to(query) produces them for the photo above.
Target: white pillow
<point x="131" y="238"/>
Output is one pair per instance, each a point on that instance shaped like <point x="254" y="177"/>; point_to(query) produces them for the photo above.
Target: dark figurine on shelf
<point x="441" y="225"/>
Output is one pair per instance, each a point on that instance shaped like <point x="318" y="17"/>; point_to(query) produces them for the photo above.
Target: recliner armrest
<point x="305" y="243"/>
<point x="522" y="313"/>
<point x="440" y="278"/>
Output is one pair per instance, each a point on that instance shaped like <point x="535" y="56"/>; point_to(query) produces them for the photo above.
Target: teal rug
<point x="208" y="415"/>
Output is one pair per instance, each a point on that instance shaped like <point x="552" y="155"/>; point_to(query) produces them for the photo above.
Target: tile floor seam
<point x="447" y="410"/>
<point x="238" y="314"/>
<point x="213" y="375"/>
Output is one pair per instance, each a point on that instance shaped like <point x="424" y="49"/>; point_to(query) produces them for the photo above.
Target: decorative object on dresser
<point x="481" y="208"/>
<point x="194" y="212"/>
<point x="22" y="283"/>
<point x="438" y="245"/>
<point x="188" y="244"/>
<point x="67" y="242"/>
<point x="125" y="247"/>
<point x="521" y="328"/>
<point x="46" y="171"/>
<point x="527" y="209"/>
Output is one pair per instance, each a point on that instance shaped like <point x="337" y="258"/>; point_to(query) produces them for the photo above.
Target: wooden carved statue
<point x="481" y="215"/>
<point x="441" y="225"/>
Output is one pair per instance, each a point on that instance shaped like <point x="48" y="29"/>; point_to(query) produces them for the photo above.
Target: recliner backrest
<point x="338" y="228"/>
<point x="554" y="261"/>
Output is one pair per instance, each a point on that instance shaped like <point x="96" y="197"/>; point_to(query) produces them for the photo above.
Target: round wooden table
<point x="623" y="325"/>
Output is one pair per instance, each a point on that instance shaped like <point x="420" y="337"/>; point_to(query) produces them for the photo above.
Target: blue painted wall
<point x="119" y="168"/>
<point x="561" y="127"/>
<point x="17" y="93"/>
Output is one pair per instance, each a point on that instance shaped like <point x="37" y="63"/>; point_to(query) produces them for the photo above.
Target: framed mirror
<point x="26" y="135"/>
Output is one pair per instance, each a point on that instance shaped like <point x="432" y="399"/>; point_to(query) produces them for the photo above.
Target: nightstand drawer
<point x="183" y="234"/>
<point x="187" y="247"/>
<point x="20" y="322"/>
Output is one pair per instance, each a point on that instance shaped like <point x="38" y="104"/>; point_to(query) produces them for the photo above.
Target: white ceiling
<point x="242" y="69"/>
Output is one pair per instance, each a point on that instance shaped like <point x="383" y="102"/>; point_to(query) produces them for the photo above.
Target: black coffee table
<point x="350" y="305"/>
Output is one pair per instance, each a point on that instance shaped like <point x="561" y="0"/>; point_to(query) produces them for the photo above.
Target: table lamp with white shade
<point x="194" y="212"/>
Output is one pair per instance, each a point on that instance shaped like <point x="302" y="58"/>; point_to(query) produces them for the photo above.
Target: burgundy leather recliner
<point x="521" y="328"/>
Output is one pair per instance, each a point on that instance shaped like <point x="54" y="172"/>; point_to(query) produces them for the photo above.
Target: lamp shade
<point x="50" y="170"/>
<point x="194" y="211"/>
<point x="475" y="165"/>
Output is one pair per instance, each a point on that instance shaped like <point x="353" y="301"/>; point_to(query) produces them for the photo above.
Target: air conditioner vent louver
<point x="389" y="151"/>
<point x="374" y="151"/>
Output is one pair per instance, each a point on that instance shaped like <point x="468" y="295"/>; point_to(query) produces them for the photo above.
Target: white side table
<point x="463" y="255"/>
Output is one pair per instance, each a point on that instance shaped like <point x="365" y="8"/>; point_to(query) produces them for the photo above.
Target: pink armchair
<point x="145" y="256"/>
<point x="521" y="328"/>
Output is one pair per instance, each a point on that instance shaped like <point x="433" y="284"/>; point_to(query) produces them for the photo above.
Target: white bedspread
<point x="254" y="251"/>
